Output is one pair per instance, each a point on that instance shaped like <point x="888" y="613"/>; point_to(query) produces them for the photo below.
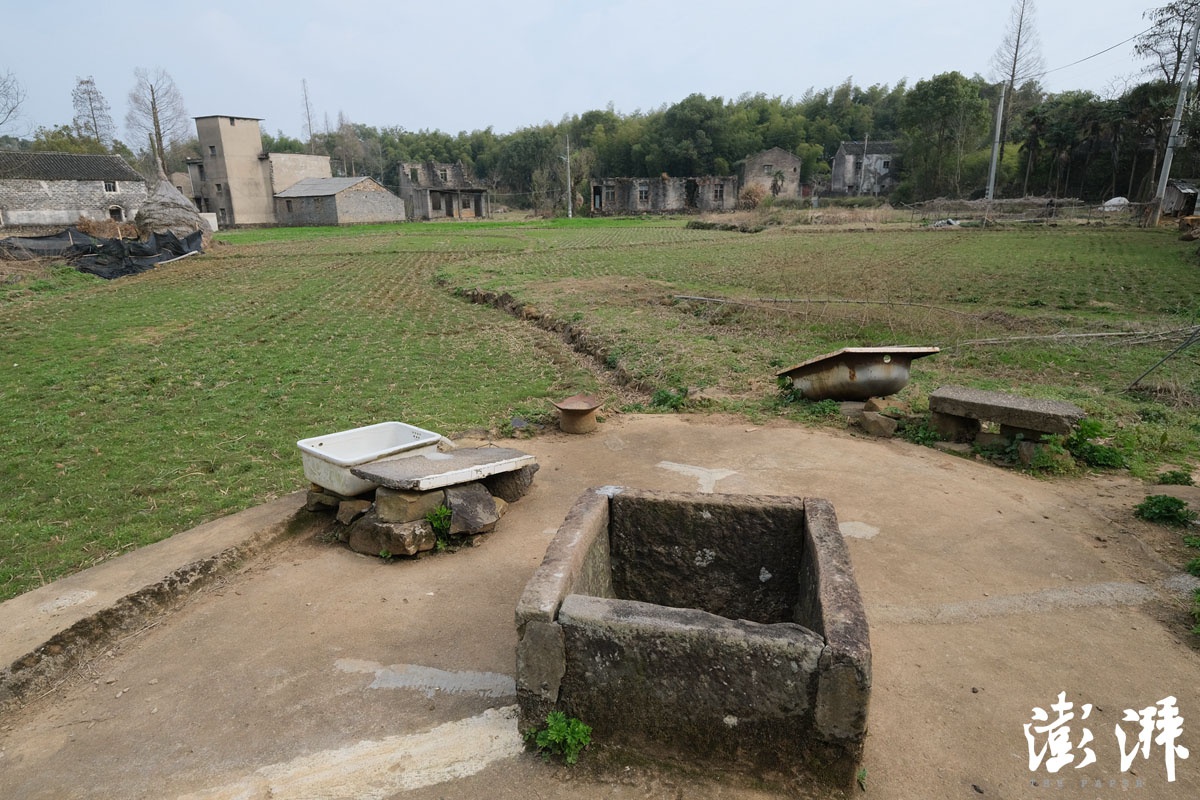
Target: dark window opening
<point x="116" y="214"/>
<point x="212" y="149"/>
<point x="110" y="186"/>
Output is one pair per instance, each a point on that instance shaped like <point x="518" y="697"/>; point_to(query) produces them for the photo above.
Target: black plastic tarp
<point x="106" y="258"/>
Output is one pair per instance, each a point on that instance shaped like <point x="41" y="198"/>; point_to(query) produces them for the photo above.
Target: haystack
<point x="166" y="209"/>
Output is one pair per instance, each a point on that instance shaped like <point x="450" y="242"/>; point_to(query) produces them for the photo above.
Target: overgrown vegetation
<point x="1176" y="477"/>
<point x="439" y="520"/>
<point x="1082" y="445"/>
<point x="563" y="736"/>
<point x="669" y="399"/>
<point x="1165" y="510"/>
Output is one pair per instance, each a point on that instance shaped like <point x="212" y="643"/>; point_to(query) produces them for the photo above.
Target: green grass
<point x="137" y="408"/>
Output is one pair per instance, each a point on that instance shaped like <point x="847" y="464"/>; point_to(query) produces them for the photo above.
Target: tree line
<point x="1065" y="144"/>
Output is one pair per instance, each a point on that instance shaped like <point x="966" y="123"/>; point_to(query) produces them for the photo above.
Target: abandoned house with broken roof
<point x="780" y="174"/>
<point x="59" y="188"/>
<point x="663" y="195"/>
<point x="432" y="190"/>
<point x="864" y="168"/>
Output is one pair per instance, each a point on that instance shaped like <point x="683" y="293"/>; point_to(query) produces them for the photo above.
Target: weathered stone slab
<point x="877" y="424"/>
<point x="428" y="471"/>
<point x="395" y="505"/>
<point x="1041" y="416"/>
<point x="512" y="486"/>
<point x="321" y="501"/>
<point x="472" y="509"/>
<point x="371" y="536"/>
<point x="350" y="510"/>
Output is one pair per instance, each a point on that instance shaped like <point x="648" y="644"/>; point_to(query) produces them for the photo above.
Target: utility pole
<point x="991" y="187"/>
<point x="1163" y="176"/>
<point x="862" y="170"/>
<point x="570" y="188"/>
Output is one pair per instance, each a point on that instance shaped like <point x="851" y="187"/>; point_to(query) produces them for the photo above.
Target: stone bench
<point x="957" y="412"/>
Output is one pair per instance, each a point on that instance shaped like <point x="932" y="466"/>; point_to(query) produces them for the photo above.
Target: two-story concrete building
<point x="864" y="168"/>
<point x="431" y="190"/>
<point x="59" y="188"/>
<point x="241" y="184"/>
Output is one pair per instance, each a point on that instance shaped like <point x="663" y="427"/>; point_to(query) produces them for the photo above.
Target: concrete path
<point x="309" y="671"/>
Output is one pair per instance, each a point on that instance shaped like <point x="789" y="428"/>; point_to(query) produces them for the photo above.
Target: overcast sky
<point x="471" y="64"/>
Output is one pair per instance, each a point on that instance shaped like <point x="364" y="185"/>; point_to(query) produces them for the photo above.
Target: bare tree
<point x="1166" y="44"/>
<point x="308" y="122"/>
<point x="156" y="110"/>
<point x="347" y="146"/>
<point x="11" y="98"/>
<point x="1018" y="59"/>
<point x="93" y="117"/>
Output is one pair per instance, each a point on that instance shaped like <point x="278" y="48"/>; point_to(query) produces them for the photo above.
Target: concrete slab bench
<point x="422" y="473"/>
<point x="957" y="412"/>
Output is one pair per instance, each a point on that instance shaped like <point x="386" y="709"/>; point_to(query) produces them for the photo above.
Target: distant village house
<point x="55" y="189"/>
<point x="333" y="201"/>
<point x="778" y="172"/>
<point x="864" y="168"/>
<point x="432" y="190"/>
<point x="234" y="179"/>
<point x="663" y="195"/>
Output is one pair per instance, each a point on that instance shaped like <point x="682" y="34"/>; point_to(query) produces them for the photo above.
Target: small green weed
<point x="385" y="554"/>
<point x="1176" y="477"/>
<point x="815" y="410"/>
<point x="564" y="736"/>
<point x="1196" y="611"/>
<point x="1080" y="445"/>
<point x="1193" y="567"/>
<point x="669" y="399"/>
<point x="862" y="778"/>
<point x="1051" y="457"/>
<point x="439" y="520"/>
<point x="918" y="431"/>
<point x="1165" y="510"/>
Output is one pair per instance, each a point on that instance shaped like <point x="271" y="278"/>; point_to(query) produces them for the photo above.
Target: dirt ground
<point x="313" y="672"/>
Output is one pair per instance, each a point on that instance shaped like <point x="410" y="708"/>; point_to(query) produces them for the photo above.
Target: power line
<point x="1095" y="55"/>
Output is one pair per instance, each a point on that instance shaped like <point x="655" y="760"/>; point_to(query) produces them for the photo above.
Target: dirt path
<point x="314" y="672"/>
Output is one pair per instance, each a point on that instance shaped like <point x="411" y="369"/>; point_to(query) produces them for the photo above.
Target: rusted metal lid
<point x="579" y="403"/>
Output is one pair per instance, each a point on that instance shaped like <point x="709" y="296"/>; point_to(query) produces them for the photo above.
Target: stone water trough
<point x="721" y="628"/>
